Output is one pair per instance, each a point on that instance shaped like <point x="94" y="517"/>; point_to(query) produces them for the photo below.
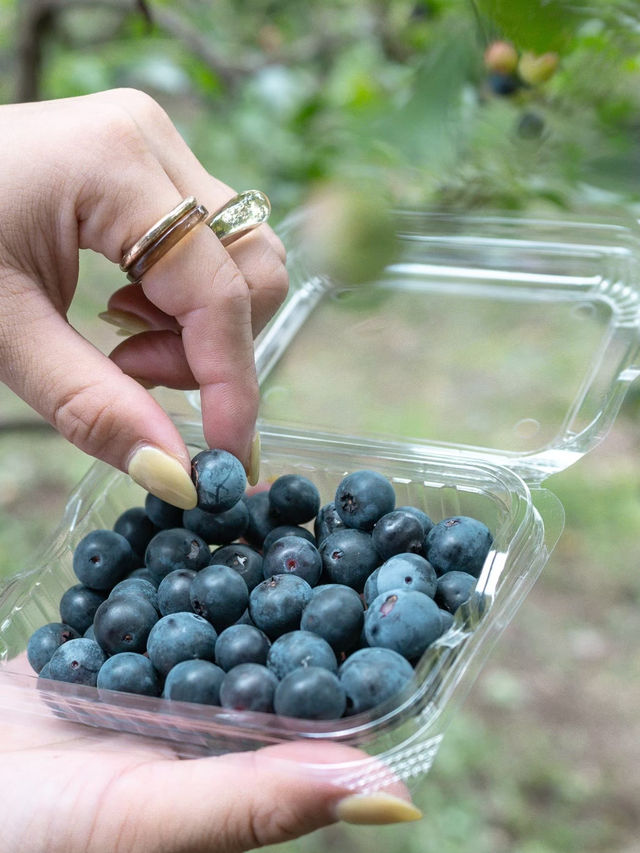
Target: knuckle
<point x="85" y="418"/>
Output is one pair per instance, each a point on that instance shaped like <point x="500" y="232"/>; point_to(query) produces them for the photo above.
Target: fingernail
<point x="163" y="476"/>
<point x="253" y="471"/>
<point x="126" y="322"/>
<point x="377" y="808"/>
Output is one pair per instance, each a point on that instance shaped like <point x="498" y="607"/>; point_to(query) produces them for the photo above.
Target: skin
<point x="96" y="172"/>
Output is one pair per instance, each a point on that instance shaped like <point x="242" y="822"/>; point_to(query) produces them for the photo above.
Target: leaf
<point x="536" y="25"/>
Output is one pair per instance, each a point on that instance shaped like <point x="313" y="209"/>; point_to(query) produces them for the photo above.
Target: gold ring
<point x="237" y="217"/>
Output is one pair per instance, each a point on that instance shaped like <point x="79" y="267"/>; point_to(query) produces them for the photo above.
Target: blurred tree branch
<point x="39" y="19"/>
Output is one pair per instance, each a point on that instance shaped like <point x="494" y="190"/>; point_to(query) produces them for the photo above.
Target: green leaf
<point x="536" y="25"/>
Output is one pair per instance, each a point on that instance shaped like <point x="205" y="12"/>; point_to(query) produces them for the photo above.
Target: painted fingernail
<point x="163" y="476"/>
<point x="253" y="471"/>
<point x="377" y="808"/>
<point x="126" y="322"/>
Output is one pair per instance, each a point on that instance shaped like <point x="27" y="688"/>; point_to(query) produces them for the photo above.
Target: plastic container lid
<point x="504" y="339"/>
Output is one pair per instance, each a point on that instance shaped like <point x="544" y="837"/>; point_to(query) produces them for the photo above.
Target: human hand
<point x="74" y="789"/>
<point x="96" y="172"/>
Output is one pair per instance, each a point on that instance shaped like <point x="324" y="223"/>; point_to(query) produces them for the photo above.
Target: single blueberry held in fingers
<point x="194" y="681"/>
<point x="180" y="636"/>
<point x="45" y="640"/>
<point x="407" y="571"/>
<point x="176" y="548"/>
<point x="363" y="497"/>
<point x="137" y="528"/>
<point x="123" y="623"/>
<point x="293" y="555"/>
<point x="349" y="557"/>
<point x="249" y="687"/>
<point x="336" y="614"/>
<point x="294" y="499"/>
<point x="78" y="606"/>
<point x="370" y="676"/>
<point x="300" y="648"/>
<point x="398" y="532"/>
<point x="218" y="528"/>
<point x="276" y="604"/>
<point x="241" y="643"/>
<point x="102" y="558"/>
<point x="403" y="620"/>
<point x="310" y="693"/>
<point x="129" y="672"/>
<point x="220" y="595"/>
<point x="458" y="543"/>
<point x="77" y="661"/>
<point x="244" y="559"/>
<point x="219" y="478"/>
<point x="454" y="588"/>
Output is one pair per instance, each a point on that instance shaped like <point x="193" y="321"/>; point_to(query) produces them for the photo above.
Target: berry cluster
<point x="313" y="624"/>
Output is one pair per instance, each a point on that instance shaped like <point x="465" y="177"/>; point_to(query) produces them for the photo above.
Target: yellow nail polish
<point x="253" y="471"/>
<point x="377" y="808"/>
<point x="163" y="476"/>
<point x="126" y="322"/>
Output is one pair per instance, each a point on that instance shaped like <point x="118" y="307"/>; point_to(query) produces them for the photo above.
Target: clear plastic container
<point x="493" y="353"/>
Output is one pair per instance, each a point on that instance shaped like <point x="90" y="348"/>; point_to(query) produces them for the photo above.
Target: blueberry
<point x="372" y="676"/>
<point x="176" y="548"/>
<point x="300" y="648"/>
<point x="454" y="588"/>
<point x="123" y="623"/>
<point x="363" y="497"/>
<point x="407" y="571"/>
<point x="286" y="530"/>
<point x="219" y="478"/>
<point x="446" y="619"/>
<point x="45" y="640"/>
<point x="276" y="604"/>
<point x="249" y="687"/>
<point x="174" y="591"/>
<point x="244" y="559"/>
<point x="137" y="528"/>
<point x="78" y="606"/>
<point x="503" y="84"/>
<point x="422" y="516"/>
<point x="137" y="586"/>
<point x="102" y="558"/>
<point x="293" y="555"/>
<point x="530" y="125"/>
<point x="403" y="620"/>
<point x="90" y="633"/>
<point x="194" y="681"/>
<point x="241" y="644"/>
<point x="164" y="515"/>
<point x="327" y="520"/>
<point x="220" y="595"/>
<point x="336" y="614"/>
<point x="294" y="499"/>
<point x="370" y="591"/>
<point x="144" y="574"/>
<point x="77" y="661"/>
<point x="178" y="637"/>
<point x="131" y="673"/>
<point x="348" y="557"/>
<point x="458" y="543"/>
<point x="398" y="532"/>
<point x="310" y="693"/>
<point x="218" y="528"/>
<point x="261" y="520"/>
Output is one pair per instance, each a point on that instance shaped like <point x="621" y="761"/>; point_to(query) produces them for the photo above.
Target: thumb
<point x="243" y="801"/>
<point x="90" y="401"/>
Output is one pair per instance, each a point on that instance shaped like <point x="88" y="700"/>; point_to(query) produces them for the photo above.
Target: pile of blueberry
<point x="236" y="603"/>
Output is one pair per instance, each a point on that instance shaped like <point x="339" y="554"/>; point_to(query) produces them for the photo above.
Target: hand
<point x="96" y="172"/>
<point x="73" y="789"/>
